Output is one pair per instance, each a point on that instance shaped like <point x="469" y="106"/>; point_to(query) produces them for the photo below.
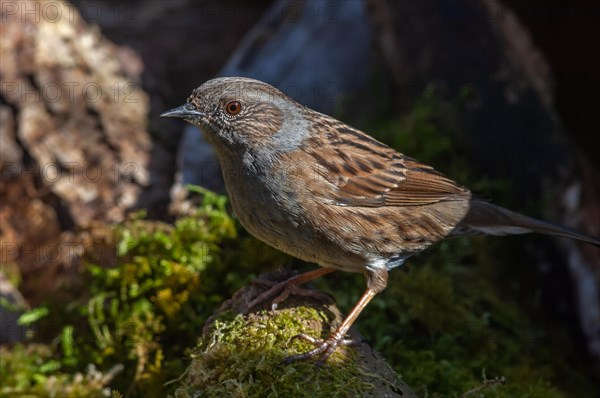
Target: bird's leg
<point x="283" y="289"/>
<point x="376" y="282"/>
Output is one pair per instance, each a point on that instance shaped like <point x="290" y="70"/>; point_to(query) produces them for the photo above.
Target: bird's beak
<point x="183" y="112"/>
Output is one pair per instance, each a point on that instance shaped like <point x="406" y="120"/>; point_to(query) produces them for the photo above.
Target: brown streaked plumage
<point x="327" y="193"/>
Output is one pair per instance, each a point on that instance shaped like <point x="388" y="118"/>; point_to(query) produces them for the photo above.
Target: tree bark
<point x="75" y="146"/>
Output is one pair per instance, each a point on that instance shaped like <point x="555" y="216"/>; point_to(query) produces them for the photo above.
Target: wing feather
<point x="363" y="172"/>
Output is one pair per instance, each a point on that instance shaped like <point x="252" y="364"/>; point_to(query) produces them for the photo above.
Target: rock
<point x="241" y="350"/>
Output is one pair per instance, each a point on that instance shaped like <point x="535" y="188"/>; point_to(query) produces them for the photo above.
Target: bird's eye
<point x="233" y="107"/>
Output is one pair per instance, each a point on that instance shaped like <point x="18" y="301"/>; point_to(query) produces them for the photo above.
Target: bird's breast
<point x="269" y="204"/>
<point x="265" y="206"/>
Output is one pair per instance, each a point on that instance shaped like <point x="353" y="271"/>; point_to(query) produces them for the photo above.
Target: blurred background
<point x="500" y="96"/>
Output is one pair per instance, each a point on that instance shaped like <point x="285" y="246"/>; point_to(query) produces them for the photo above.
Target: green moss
<point x="241" y="356"/>
<point x="139" y="309"/>
<point x="146" y="311"/>
<point x="28" y="371"/>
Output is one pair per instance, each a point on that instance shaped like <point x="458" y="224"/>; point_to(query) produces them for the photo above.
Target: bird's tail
<point x="486" y="218"/>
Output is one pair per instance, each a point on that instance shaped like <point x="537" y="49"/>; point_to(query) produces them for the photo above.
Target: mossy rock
<point x="240" y="354"/>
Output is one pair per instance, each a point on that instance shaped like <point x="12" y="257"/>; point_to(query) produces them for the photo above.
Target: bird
<point x="327" y="193"/>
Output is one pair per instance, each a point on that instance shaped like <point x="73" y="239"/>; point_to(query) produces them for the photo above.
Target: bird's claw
<point x="324" y="349"/>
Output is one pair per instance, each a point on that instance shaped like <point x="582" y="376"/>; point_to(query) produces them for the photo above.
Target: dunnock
<point x="320" y="190"/>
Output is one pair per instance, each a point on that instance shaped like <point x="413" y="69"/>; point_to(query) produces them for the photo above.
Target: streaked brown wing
<point x="363" y="172"/>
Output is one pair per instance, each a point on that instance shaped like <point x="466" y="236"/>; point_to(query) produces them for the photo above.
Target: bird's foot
<point x="324" y="348"/>
<point x="282" y="290"/>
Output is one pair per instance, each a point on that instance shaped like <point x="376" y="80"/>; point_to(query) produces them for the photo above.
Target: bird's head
<point x="243" y="114"/>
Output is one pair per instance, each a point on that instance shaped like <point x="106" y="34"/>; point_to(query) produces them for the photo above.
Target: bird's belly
<point x="273" y="218"/>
